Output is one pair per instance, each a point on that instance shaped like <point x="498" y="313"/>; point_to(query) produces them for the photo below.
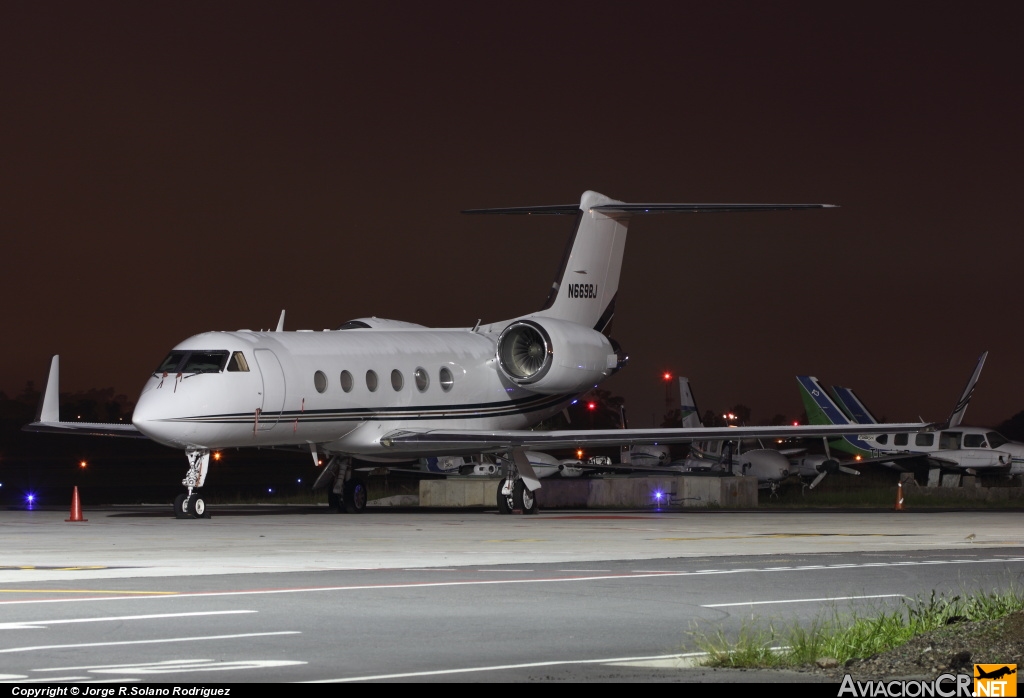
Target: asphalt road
<point x="299" y="594"/>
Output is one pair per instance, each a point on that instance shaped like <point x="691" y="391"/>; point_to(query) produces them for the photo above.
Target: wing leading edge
<point x="455" y="441"/>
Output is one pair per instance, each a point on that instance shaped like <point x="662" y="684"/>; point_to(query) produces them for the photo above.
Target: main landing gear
<point x="190" y="504"/>
<point x="514" y="497"/>
<point x="346" y="492"/>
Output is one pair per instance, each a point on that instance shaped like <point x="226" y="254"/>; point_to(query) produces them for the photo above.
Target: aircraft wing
<point x="48" y="416"/>
<point x="87" y="429"/>
<point x="461" y="441"/>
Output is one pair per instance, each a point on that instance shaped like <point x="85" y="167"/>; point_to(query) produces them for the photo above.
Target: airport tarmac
<point x="261" y="594"/>
<point x="146" y="541"/>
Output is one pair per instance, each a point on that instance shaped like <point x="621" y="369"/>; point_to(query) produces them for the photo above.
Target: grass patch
<point x="850" y="636"/>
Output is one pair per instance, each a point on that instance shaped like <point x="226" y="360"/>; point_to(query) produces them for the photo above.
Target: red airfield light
<point x="591" y="406"/>
<point x="666" y="376"/>
<point x="82" y="464"/>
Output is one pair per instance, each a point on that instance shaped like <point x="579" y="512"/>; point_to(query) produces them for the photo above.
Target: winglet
<point x="280" y="323"/>
<point x="49" y="405"/>
<point x="957" y="415"/>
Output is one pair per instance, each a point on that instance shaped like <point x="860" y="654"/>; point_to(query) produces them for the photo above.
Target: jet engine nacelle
<point x="551" y="356"/>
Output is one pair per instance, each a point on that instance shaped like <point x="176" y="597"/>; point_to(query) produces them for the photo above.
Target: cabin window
<point x="949" y="440"/>
<point x="371" y="381"/>
<point x="171" y="363"/>
<point x="397" y="380"/>
<point x="882" y="439"/>
<point x="320" y="381"/>
<point x="422" y="380"/>
<point x="238" y="362"/>
<point x="346" y="381"/>
<point x="924" y="439"/>
<point x="205" y="362"/>
<point x="974" y="441"/>
<point x="447" y="381"/>
<point x="900" y="440"/>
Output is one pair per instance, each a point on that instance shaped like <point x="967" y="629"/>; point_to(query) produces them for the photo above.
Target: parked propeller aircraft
<point x="951" y="447"/>
<point x="391" y="391"/>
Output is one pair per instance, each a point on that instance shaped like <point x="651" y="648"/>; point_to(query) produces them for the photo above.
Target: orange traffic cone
<point x="76" y="507"/>
<point x="899" y="496"/>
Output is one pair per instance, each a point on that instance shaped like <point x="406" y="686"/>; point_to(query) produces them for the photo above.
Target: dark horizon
<point x="170" y="170"/>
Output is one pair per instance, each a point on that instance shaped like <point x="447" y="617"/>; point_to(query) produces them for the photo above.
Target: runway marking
<point x="144" y="642"/>
<point x="516" y="540"/>
<point x="35" y="624"/>
<point x="750" y="536"/>
<point x="831" y="598"/>
<point x="180" y="665"/>
<point x="84" y="591"/>
<point x="50" y="568"/>
<point x="529" y="580"/>
<point x="500" y="667"/>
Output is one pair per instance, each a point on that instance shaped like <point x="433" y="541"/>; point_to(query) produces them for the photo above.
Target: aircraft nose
<point x="149" y="419"/>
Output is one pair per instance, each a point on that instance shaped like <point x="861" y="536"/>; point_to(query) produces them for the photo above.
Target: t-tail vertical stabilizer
<point x="584" y="290"/>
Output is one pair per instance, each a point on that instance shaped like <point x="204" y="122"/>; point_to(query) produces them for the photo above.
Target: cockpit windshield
<point x="190" y="362"/>
<point x="995" y="439"/>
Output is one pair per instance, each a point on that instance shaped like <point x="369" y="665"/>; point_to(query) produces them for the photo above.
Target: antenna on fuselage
<point x="280" y="323"/>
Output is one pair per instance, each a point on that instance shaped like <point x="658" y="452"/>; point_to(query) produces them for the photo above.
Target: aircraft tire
<point x="180" y="510"/>
<point x="355" y="496"/>
<point x="197" y="507"/>
<point x="504" y="501"/>
<point x="524" y="499"/>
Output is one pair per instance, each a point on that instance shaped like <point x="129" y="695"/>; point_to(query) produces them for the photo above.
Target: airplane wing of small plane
<point x="478" y="441"/>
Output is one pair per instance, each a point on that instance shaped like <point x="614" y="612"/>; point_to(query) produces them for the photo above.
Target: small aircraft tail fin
<point x="852" y="406"/>
<point x="820" y="407"/>
<point x="587" y="282"/>
<point x="957" y="415"/>
<point x="688" y="406"/>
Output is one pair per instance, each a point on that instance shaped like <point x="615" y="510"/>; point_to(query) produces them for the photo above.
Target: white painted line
<point x="28" y="624"/>
<point x="501" y="667"/>
<point x="491" y="582"/>
<point x="145" y="642"/>
<point x="831" y="598"/>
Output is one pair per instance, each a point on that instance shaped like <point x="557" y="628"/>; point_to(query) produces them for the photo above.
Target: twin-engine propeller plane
<point x="390" y="391"/>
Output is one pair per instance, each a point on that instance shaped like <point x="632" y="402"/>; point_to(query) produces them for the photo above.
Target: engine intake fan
<point x="524" y="352"/>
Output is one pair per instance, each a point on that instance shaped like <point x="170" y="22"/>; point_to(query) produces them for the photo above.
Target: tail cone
<point x="76" y="507"/>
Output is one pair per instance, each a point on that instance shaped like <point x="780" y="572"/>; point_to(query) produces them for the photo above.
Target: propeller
<point x="830" y="465"/>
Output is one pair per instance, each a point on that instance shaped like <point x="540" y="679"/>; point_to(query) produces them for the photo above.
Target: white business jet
<point x="391" y="391"/>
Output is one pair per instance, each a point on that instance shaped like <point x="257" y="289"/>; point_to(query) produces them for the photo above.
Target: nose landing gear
<point x="191" y="504"/>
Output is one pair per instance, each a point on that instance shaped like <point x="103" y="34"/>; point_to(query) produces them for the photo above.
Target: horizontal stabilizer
<point x="573" y="209"/>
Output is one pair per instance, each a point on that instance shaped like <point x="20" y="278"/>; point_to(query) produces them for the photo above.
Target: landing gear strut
<point x="192" y="505"/>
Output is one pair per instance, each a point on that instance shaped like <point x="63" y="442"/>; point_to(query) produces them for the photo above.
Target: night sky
<point x="173" y="168"/>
